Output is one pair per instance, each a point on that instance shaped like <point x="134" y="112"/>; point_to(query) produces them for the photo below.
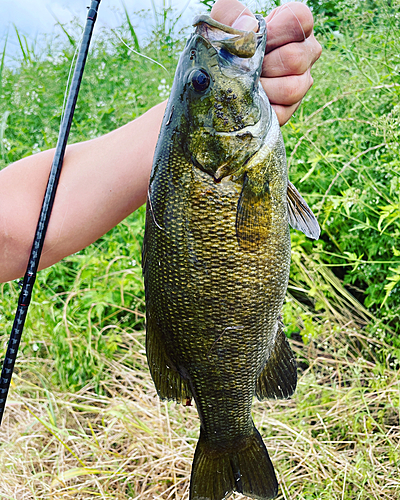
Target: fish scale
<point x="216" y="257"/>
<point x="195" y="287"/>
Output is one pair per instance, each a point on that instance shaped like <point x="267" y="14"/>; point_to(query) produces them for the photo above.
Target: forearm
<point x="106" y="179"/>
<point x="102" y="181"/>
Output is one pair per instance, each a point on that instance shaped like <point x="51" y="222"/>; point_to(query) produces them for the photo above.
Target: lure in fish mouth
<point x="216" y="256"/>
<point x="236" y="42"/>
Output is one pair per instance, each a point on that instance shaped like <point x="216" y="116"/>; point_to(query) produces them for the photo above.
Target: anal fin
<point x="169" y="383"/>
<point x="278" y="379"/>
<point x="300" y="214"/>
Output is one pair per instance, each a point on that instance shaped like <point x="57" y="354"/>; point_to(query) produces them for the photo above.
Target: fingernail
<point x="246" y="23"/>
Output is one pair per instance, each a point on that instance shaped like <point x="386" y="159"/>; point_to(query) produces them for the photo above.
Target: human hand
<point x="291" y="50"/>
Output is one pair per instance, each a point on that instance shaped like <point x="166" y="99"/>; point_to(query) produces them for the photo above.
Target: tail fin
<point x="246" y="469"/>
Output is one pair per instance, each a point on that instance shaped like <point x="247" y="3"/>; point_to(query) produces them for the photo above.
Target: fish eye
<point x="200" y="80"/>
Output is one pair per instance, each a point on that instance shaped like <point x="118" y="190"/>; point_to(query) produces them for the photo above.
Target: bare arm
<point x="102" y="181"/>
<point x="105" y="179"/>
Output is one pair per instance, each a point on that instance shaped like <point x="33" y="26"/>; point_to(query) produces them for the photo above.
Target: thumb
<point x="235" y="14"/>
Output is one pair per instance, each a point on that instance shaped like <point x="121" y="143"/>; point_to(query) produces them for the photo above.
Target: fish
<point x="216" y="256"/>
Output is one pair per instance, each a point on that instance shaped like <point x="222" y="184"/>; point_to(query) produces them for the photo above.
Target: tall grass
<point x="83" y="419"/>
<point x="343" y="152"/>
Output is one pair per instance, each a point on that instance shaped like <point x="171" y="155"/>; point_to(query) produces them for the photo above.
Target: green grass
<point x="344" y="153"/>
<point x="83" y="419"/>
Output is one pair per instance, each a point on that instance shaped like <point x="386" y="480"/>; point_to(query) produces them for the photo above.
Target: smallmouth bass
<point x="216" y="256"/>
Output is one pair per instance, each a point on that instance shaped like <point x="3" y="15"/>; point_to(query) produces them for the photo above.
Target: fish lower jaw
<point x="223" y="171"/>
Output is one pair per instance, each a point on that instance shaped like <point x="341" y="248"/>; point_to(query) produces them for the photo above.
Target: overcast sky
<point x="33" y="17"/>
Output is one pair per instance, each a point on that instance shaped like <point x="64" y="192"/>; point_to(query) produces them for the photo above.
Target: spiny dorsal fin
<point x="300" y="214"/>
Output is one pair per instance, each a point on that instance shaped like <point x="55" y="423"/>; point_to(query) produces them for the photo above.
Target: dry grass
<point x="338" y="438"/>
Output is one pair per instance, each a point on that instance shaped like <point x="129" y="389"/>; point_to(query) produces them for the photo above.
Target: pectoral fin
<point x="300" y="214"/>
<point x="253" y="217"/>
<point x="279" y="377"/>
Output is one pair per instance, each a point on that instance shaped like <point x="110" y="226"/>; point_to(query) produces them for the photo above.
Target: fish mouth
<point x="233" y="46"/>
<point x="239" y="55"/>
<point x="234" y="59"/>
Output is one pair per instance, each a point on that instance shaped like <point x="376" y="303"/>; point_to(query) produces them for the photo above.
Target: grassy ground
<point x="83" y="419"/>
<point x="337" y="438"/>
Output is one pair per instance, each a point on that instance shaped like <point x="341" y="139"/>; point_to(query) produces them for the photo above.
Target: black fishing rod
<point x="41" y="229"/>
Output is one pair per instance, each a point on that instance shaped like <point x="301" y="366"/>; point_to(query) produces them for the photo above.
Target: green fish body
<point x="216" y="256"/>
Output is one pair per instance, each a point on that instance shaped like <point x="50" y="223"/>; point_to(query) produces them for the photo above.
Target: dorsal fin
<point x="300" y="214"/>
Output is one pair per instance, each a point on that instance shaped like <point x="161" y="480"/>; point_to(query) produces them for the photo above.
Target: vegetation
<point x="83" y="419"/>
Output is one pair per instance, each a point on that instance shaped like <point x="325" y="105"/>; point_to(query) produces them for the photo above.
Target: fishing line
<point x="239" y="16"/>
<point x="183" y="10"/>
<point x="301" y="27"/>
<point x="250" y="8"/>
<point x="298" y="20"/>
<point x="44" y="218"/>
<point x="69" y="77"/>
<point x="70" y="67"/>
<point x="139" y="54"/>
<point x="220" y="336"/>
<point x="151" y="210"/>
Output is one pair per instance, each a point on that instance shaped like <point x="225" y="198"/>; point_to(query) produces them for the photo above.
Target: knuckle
<point x="318" y="50"/>
<point x="315" y="48"/>
<point x="304" y="15"/>
<point x="297" y="86"/>
<point x="296" y="60"/>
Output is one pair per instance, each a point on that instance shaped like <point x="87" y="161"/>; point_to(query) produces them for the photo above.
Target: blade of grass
<point x="131" y="29"/>
<point x="56" y="436"/>
<point x="26" y="59"/>
<point x="2" y="61"/>
<point x="3" y="126"/>
<point x="70" y="38"/>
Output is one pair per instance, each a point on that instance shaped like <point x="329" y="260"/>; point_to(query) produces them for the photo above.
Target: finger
<point x="287" y="90"/>
<point x="291" y="22"/>
<point x="233" y="13"/>
<point x="284" y="113"/>
<point x="292" y="59"/>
